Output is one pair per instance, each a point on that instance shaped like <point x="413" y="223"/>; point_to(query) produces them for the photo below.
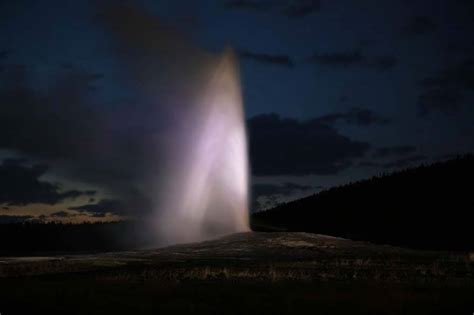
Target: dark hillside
<point x="430" y="207"/>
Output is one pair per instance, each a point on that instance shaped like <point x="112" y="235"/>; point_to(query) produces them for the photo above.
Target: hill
<point x="427" y="207"/>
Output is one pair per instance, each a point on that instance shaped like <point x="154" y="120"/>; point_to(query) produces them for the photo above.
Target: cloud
<point x="302" y="8"/>
<point x="354" y="58"/>
<point x="403" y="162"/>
<point x="271" y="189"/>
<point x="285" y="146"/>
<point x="281" y="60"/>
<point x="365" y="42"/>
<point x="356" y="116"/>
<point x="419" y="25"/>
<point x="460" y="47"/>
<point x="446" y="91"/>
<point x="104" y="146"/>
<point x="397" y="163"/>
<point x="459" y="74"/>
<point x="9" y="219"/>
<point x="105" y="206"/>
<point x="339" y="59"/>
<point x="62" y="214"/>
<point x="272" y="193"/>
<point x="21" y="185"/>
<point x="445" y="100"/>
<point x="3" y="54"/>
<point x="383" y="63"/>
<point x="257" y="5"/>
<point x="368" y="164"/>
<point x="46" y="122"/>
<point x="291" y="9"/>
<point x="384" y="152"/>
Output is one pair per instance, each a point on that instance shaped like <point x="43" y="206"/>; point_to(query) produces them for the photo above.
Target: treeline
<point x="428" y="207"/>
<point x="43" y="238"/>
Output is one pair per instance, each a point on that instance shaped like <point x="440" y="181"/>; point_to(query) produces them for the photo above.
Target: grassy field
<point x="258" y="273"/>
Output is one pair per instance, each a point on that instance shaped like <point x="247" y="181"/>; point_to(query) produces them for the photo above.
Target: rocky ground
<point x="247" y="272"/>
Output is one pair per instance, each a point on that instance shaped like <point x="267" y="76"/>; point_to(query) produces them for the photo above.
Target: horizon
<point x="9" y="219"/>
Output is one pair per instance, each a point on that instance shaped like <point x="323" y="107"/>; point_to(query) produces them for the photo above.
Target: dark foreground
<point x="262" y="273"/>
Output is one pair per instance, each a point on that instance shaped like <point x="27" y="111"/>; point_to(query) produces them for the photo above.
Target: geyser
<point x="206" y="192"/>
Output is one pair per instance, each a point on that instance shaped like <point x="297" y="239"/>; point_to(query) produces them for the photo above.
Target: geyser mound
<point x="207" y="176"/>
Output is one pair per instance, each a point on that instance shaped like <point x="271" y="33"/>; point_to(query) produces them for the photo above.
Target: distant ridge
<point x="428" y="207"/>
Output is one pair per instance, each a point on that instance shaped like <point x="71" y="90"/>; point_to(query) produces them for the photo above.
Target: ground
<point x="260" y="273"/>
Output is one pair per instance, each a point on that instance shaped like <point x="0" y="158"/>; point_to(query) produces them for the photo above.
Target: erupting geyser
<point x="207" y="191"/>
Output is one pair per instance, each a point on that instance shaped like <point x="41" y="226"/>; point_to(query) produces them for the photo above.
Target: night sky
<point x="334" y="91"/>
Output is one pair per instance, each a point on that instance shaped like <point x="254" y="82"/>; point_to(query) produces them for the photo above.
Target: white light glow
<point x="207" y="190"/>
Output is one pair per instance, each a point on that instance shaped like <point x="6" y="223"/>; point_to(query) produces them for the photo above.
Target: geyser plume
<point x="190" y="127"/>
<point x="206" y="192"/>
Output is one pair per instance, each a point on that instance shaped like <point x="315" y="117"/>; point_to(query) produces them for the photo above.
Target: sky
<point x="333" y="92"/>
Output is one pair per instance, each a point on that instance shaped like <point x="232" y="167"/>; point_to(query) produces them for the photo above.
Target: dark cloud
<point x="368" y="164"/>
<point x="465" y="47"/>
<point x="384" y="152"/>
<point x="342" y="59"/>
<point x="105" y="206"/>
<point x="284" y="189"/>
<point x="354" y="58"/>
<point x="46" y="122"/>
<point x="3" y="54"/>
<point x="105" y="146"/>
<point x="258" y="5"/>
<point x="9" y="219"/>
<point x="459" y="74"/>
<point x="302" y="8"/>
<point x="364" y="43"/>
<point x="383" y="63"/>
<point x="155" y="53"/>
<point x="339" y="59"/>
<point x="21" y="185"/>
<point x="356" y="116"/>
<point x="445" y="100"/>
<point x="272" y="191"/>
<point x="281" y="60"/>
<point x="448" y="89"/>
<point x="397" y="163"/>
<point x="407" y="161"/>
<point x="284" y="146"/>
<point x="292" y="9"/>
<point x="343" y="99"/>
<point x="61" y="214"/>
<point x="98" y="214"/>
<point x="419" y="25"/>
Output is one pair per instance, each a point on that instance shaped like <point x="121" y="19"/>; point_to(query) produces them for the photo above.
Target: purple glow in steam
<point x="207" y="189"/>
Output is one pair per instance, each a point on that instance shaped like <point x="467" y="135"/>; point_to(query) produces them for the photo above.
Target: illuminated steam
<point x="206" y="182"/>
<point x="188" y="125"/>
